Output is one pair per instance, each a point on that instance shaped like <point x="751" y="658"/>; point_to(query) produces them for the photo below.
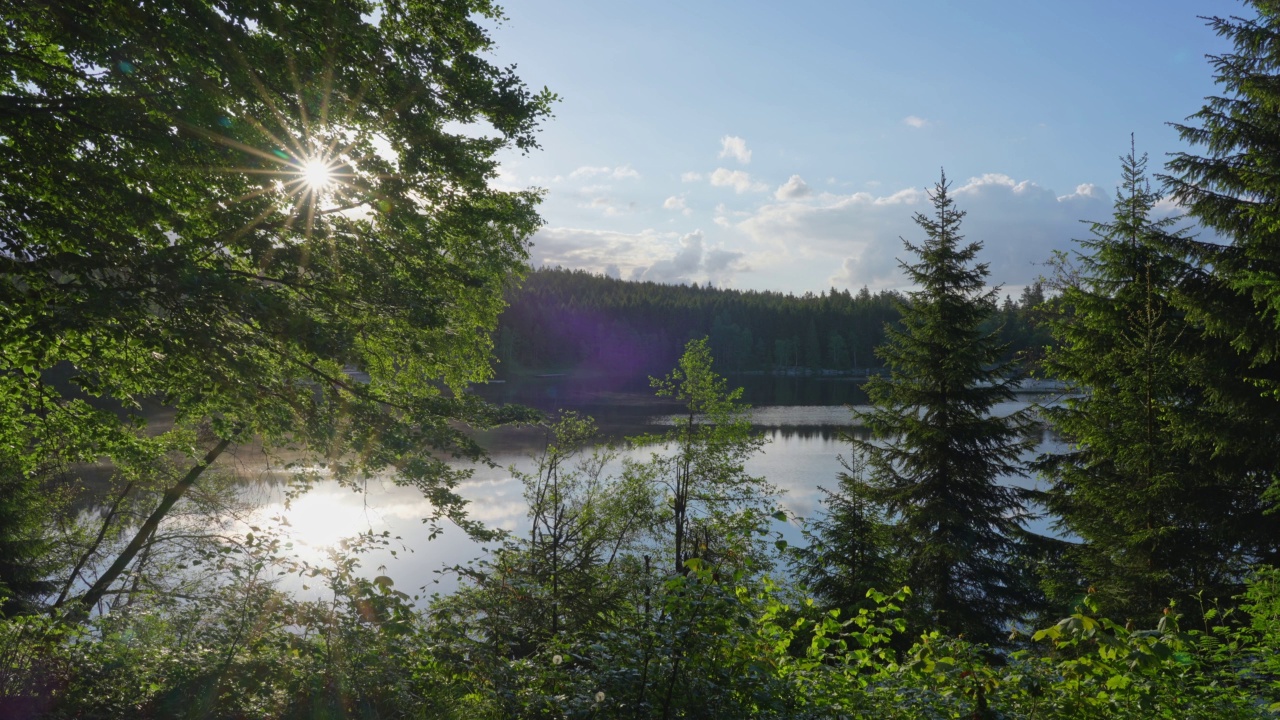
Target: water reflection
<point x="802" y="455"/>
<point x="565" y="391"/>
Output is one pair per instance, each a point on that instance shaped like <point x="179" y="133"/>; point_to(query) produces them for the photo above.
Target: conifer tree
<point x="1234" y="189"/>
<point x="23" y="549"/>
<point x="848" y="550"/>
<point x="938" y="453"/>
<point x="1160" y="514"/>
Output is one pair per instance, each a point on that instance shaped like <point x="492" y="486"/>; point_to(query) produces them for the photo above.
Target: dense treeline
<point x="571" y="319"/>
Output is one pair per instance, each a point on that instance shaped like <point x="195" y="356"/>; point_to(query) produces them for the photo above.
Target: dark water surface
<point x="625" y="406"/>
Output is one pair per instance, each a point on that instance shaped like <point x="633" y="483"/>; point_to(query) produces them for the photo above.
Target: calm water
<point x="803" y="419"/>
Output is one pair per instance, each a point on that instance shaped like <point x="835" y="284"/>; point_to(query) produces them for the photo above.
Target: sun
<point x="307" y="161"/>
<point x="317" y="174"/>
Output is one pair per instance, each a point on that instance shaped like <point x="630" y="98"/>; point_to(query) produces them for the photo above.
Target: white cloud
<point x="692" y="261"/>
<point x="618" y="173"/>
<point x="682" y="266"/>
<point x="1019" y="223"/>
<point x="735" y="147"/>
<point x="588" y="171"/>
<point x="915" y="121"/>
<point x="690" y="176"/>
<point x="909" y="196"/>
<point x="739" y="180"/>
<point x="723" y="215"/>
<point x="720" y="264"/>
<point x="1084" y="190"/>
<point x="647" y="255"/>
<point x="506" y="180"/>
<point x="610" y="206"/>
<point x="1168" y="207"/>
<point x="676" y="202"/>
<point x="792" y="189"/>
<point x="596" y="250"/>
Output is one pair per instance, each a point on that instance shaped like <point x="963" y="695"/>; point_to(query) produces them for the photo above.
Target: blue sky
<point x="786" y="146"/>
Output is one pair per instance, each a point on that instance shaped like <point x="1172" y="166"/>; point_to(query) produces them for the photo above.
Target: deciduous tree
<point x="714" y="504"/>
<point x="221" y="205"/>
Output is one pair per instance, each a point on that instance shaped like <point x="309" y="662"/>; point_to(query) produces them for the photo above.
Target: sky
<point x="787" y="146"/>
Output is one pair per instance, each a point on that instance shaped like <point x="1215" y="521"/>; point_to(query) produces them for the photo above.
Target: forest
<point x="271" y="225"/>
<point x="558" y="320"/>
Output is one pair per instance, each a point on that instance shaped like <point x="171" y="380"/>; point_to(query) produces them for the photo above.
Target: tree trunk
<point x="171" y="497"/>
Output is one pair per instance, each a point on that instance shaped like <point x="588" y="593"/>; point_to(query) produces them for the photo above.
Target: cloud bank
<point x="1018" y="222"/>
<point x="798" y="236"/>
<point x="647" y="255"/>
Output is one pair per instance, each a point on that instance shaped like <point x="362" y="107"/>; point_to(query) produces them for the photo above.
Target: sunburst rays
<point x="306" y="165"/>
<point x="317" y="174"/>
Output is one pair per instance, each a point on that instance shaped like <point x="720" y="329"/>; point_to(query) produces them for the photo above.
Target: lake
<point x="803" y="419"/>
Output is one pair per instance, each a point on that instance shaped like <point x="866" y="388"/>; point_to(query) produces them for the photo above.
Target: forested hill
<point x="561" y="320"/>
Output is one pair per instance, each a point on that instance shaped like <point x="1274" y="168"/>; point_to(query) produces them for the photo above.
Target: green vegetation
<point x="573" y="320"/>
<point x="576" y="621"/>
<point x="24" y="547"/>
<point x="937" y="452"/>
<point x="1163" y="514"/>
<point x="229" y="220"/>
<point x="1232" y="288"/>
<point x="713" y="502"/>
<point x="177" y="188"/>
<point x="850" y="550"/>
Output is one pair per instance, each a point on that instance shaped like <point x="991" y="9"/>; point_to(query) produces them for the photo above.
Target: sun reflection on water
<point x="322" y="519"/>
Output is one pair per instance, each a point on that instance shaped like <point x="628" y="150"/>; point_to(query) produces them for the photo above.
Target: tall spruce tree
<point x="1160" y="514"/>
<point x="1234" y="189"/>
<point x="938" y="453"/>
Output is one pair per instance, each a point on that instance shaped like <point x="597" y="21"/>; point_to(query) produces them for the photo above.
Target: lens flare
<point x="316" y="174"/>
<point x="306" y="165"/>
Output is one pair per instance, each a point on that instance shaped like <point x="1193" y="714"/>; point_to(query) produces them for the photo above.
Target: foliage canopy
<point x="220" y="206"/>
